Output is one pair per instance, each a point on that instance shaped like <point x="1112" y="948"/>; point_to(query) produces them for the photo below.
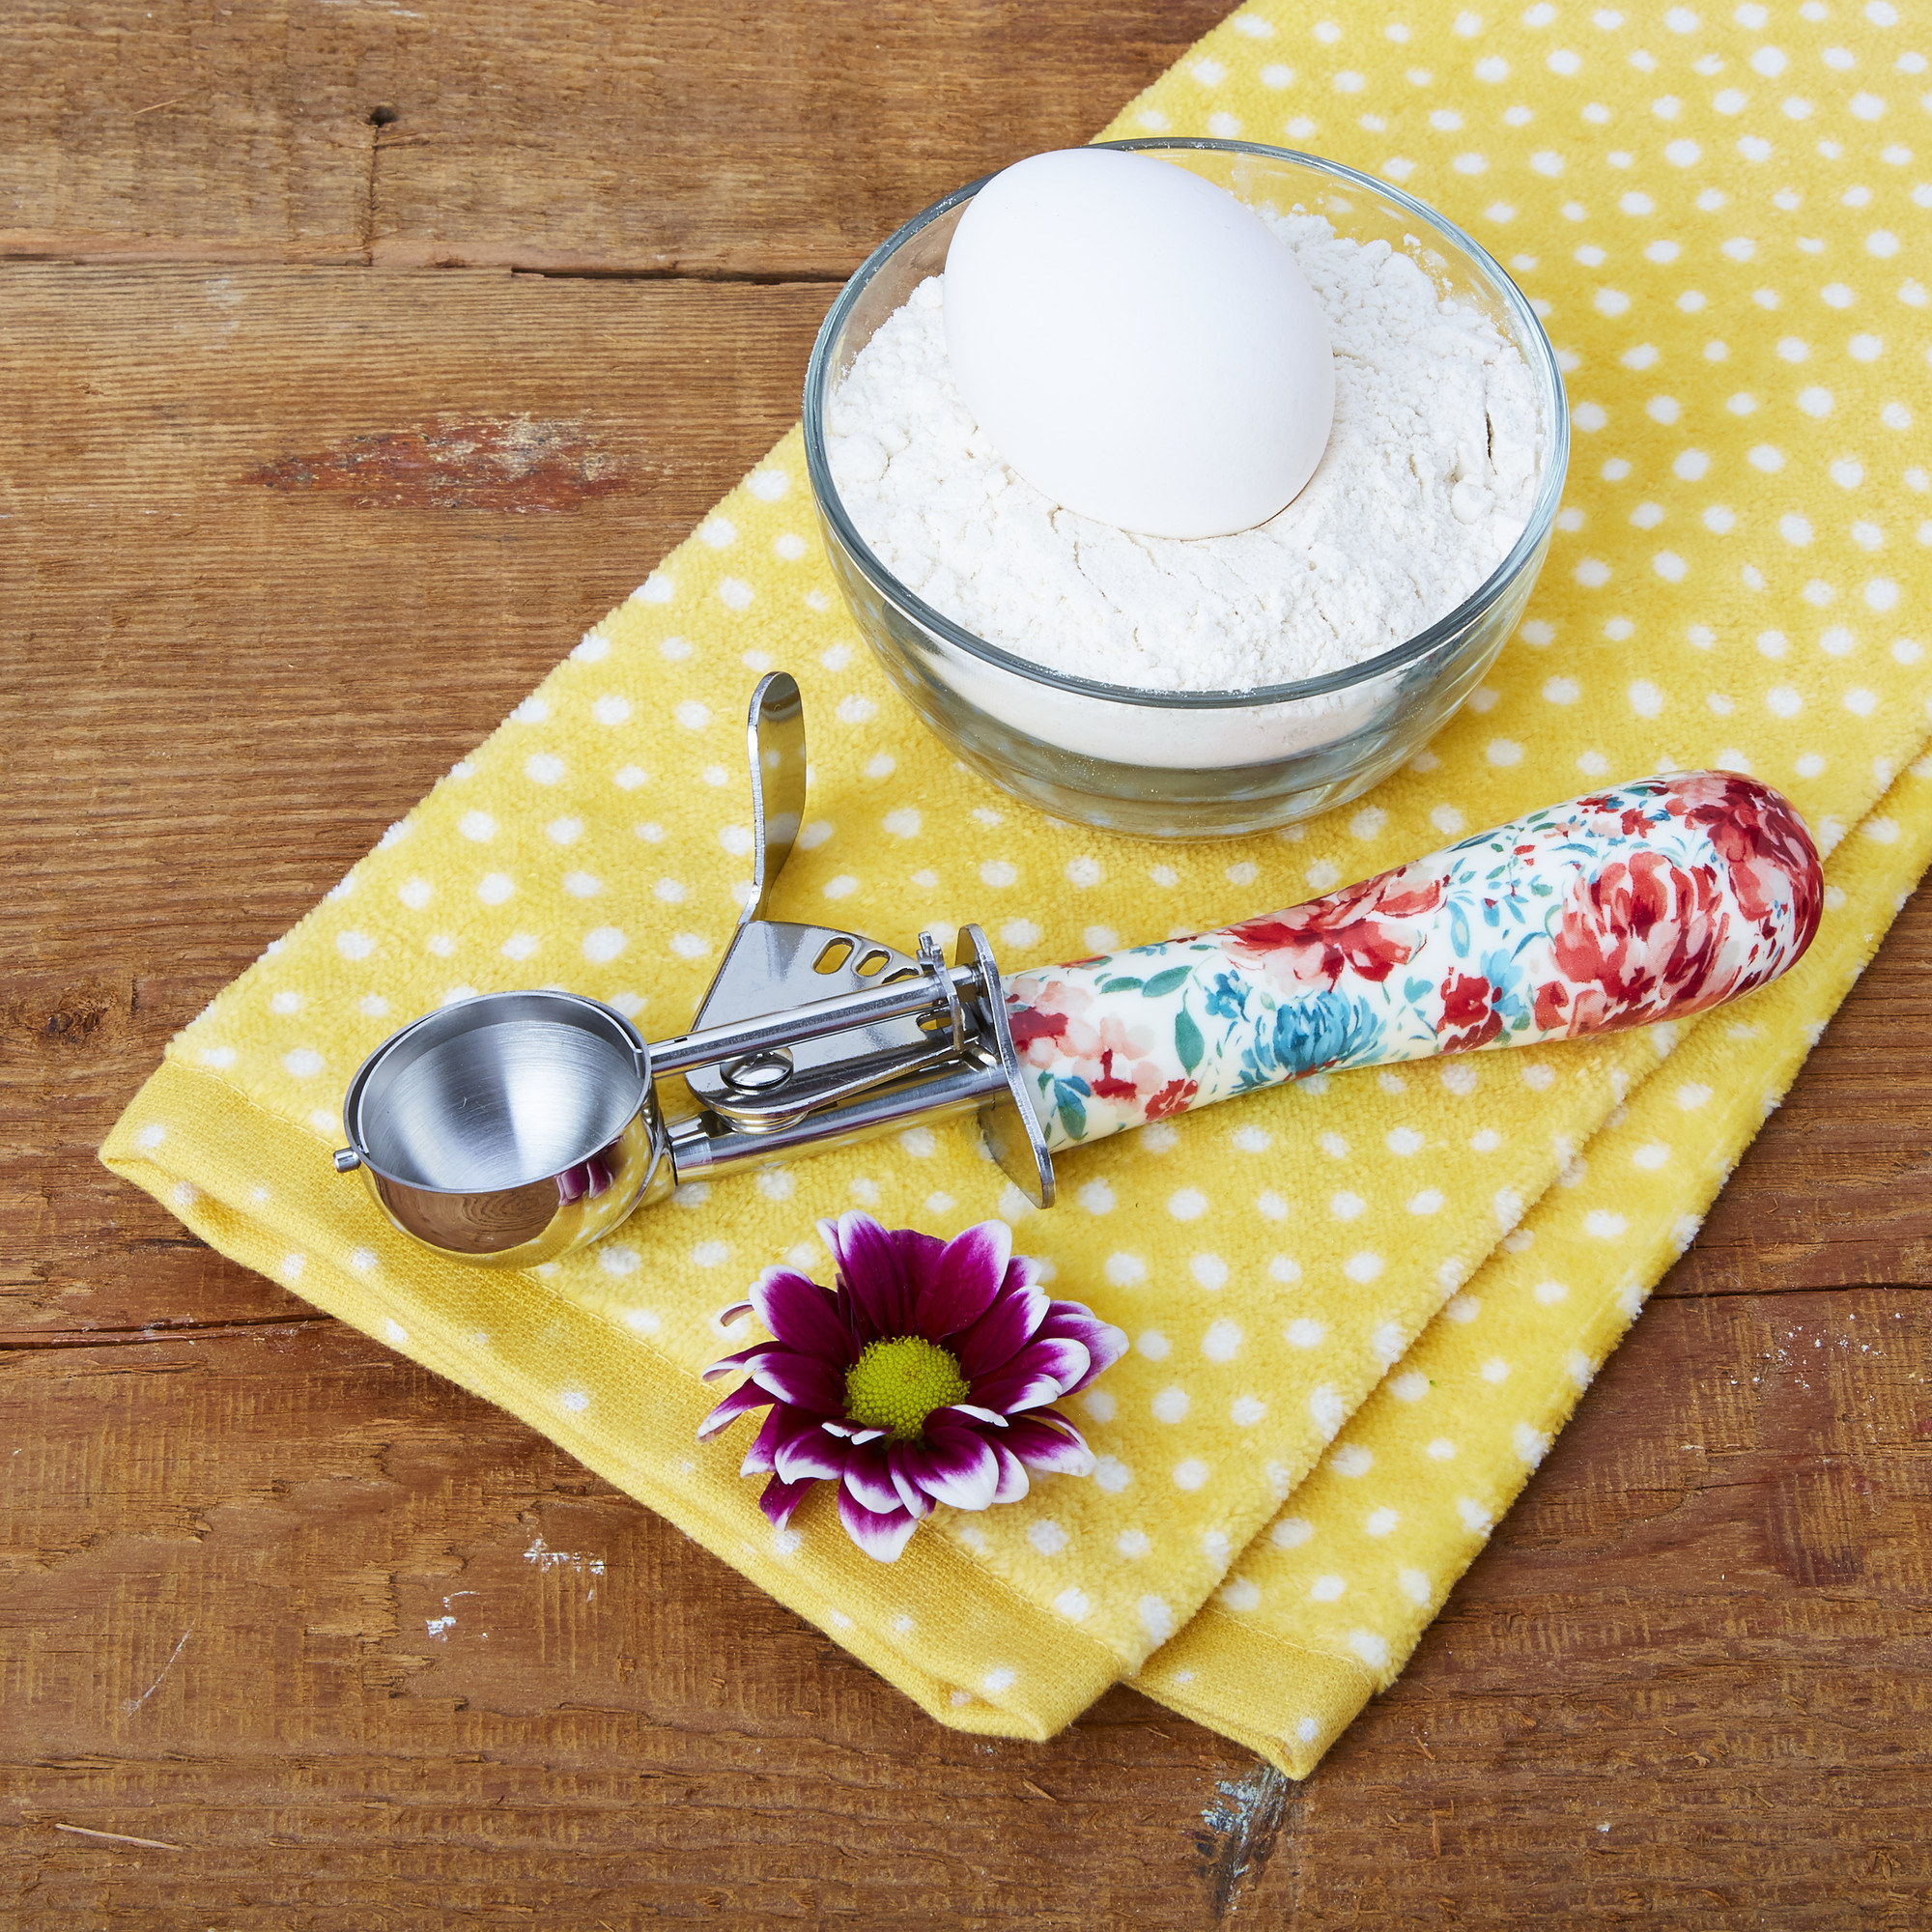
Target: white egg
<point x="1138" y="346"/>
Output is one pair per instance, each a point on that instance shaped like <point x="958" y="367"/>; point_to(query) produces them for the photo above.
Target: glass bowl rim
<point x="1543" y="512"/>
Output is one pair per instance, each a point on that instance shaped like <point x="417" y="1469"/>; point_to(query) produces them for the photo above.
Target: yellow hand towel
<point x="1719" y="221"/>
<point x="597" y="838"/>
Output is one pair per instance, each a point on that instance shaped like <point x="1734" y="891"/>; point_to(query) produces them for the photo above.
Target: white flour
<point x="1427" y="482"/>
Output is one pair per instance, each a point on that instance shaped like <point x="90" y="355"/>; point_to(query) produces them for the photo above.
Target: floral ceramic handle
<point x="1644" y="902"/>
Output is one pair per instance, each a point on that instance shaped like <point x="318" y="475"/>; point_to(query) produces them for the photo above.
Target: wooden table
<point x="355" y="359"/>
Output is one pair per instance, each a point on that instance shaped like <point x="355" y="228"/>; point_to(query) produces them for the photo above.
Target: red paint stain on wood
<point x="519" y="464"/>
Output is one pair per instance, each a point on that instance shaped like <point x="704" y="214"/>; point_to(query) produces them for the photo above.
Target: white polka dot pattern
<point x="1735" y="579"/>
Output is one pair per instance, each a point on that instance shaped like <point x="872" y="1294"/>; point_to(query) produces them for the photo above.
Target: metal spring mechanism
<point x="814" y="1036"/>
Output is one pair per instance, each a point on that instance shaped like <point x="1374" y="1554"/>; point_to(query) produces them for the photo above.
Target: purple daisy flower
<point x="925" y="1377"/>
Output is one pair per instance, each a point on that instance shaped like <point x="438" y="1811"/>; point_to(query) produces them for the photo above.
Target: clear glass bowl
<point x="1189" y="764"/>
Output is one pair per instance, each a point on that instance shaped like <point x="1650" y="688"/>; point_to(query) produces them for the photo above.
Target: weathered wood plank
<point x="199" y="473"/>
<point x="344" y="1632"/>
<point x="186" y="132"/>
<point x="518" y="453"/>
<point x="723" y="138"/>
<point x="1837" y="1188"/>
<point x="1745" y="1494"/>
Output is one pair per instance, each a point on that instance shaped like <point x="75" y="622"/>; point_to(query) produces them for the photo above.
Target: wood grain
<point x="201" y="469"/>
<point x="345" y="1634"/>
<point x="1839" y="1189"/>
<point x="731" y="138"/>
<point x="278" y="540"/>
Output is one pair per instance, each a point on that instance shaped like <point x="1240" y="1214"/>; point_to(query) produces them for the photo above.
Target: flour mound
<point x="1427" y="482"/>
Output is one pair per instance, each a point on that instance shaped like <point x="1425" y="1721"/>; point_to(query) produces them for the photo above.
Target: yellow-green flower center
<point x="895" y="1385"/>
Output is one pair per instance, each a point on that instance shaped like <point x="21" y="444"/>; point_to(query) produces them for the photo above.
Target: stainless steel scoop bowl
<point x="508" y="1129"/>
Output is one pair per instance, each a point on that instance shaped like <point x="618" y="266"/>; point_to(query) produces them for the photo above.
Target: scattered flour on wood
<point x="1427" y="480"/>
